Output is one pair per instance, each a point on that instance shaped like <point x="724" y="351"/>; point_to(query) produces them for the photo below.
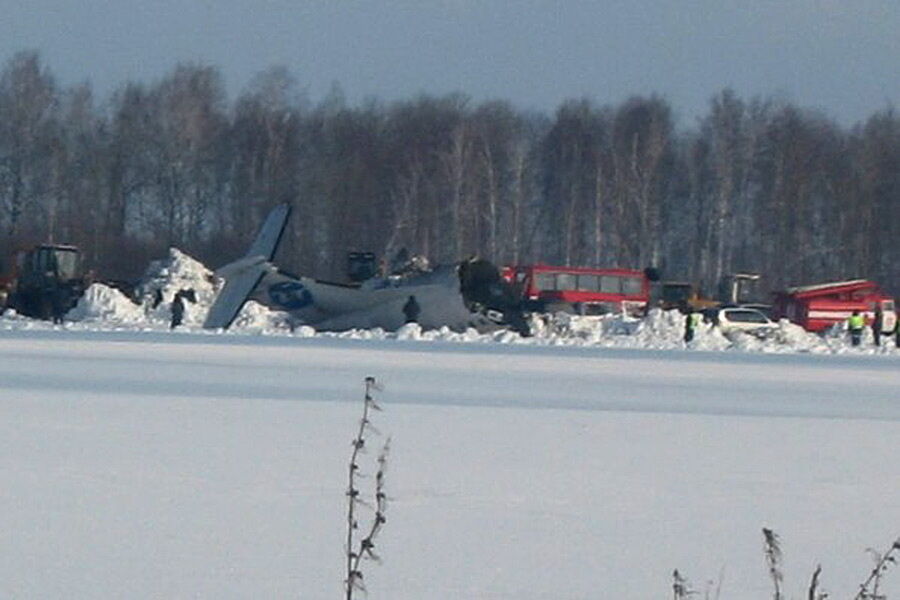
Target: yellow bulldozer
<point x="734" y="289"/>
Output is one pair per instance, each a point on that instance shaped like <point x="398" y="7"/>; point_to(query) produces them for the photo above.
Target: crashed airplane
<point x="468" y="294"/>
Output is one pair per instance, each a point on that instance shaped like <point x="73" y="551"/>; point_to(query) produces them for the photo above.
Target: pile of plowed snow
<point x="152" y="307"/>
<point x="101" y="303"/>
<point x="659" y="330"/>
<point x="103" y="307"/>
<point x="178" y="272"/>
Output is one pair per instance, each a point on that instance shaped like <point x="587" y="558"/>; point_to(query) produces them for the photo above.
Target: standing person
<point x="897" y="332"/>
<point x="877" y="324"/>
<point x="177" y="310"/>
<point x="411" y="310"/>
<point x="691" y="322"/>
<point x="58" y="302"/>
<point x="855" y="324"/>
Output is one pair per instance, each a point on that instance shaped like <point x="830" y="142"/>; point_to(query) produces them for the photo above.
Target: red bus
<point x="580" y="290"/>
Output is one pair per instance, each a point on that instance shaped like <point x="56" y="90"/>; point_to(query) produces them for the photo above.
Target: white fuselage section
<point x="377" y="302"/>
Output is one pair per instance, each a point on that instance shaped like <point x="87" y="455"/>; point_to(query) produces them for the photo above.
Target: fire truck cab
<point x="818" y="307"/>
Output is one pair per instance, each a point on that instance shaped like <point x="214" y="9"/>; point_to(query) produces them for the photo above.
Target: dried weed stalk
<point x="870" y="588"/>
<point x="359" y="546"/>
<point x="681" y="588"/>
<point x="773" y="560"/>
<point x="813" y="593"/>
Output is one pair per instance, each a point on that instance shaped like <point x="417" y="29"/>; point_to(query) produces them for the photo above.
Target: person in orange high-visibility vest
<point x="855" y="325"/>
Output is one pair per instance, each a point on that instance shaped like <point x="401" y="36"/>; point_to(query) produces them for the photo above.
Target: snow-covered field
<point x="588" y="461"/>
<point x="156" y="465"/>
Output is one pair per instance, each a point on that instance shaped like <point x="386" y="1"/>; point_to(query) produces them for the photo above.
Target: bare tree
<point x="759" y="185"/>
<point x="28" y="102"/>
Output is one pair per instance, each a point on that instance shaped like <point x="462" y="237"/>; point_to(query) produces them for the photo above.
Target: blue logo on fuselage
<point x="290" y="295"/>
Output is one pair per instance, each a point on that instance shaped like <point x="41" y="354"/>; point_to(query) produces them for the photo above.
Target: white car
<point x="737" y="318"/>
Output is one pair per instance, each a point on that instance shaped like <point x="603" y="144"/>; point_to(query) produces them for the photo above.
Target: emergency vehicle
<point x="818" y="307"/>
<point x="580" y="290"/>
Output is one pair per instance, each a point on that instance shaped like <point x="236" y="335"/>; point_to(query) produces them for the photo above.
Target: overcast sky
<point x="842" y="56"/>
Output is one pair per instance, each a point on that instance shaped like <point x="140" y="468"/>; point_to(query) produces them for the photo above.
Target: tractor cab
<point x="47" y="282"/>
<point x="48" y="265"/>
<point x="739" y="289"/>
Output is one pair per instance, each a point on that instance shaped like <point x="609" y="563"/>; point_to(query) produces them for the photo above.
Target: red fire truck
<point x="817" y="307"/>
<point x="580" y="290"/>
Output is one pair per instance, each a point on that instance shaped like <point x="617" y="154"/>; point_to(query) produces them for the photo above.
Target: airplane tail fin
<point x="242" y="276"/>
<point x="269" y="235"/>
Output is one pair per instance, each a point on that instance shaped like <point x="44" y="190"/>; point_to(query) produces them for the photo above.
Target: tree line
<point x="756" y="185"/>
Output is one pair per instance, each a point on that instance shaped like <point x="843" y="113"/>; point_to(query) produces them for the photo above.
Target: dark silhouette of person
<point x="897" y="332"/>
<point x="878" y="324"/>
<point x="177" y="310"/>
<point x="59" y="300"/>
<point x="411" y="310"/>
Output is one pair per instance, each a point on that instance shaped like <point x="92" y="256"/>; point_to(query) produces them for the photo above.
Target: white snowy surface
<point x="144" y="464"/>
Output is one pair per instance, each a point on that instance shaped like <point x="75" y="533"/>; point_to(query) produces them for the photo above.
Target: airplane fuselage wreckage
<point x="468" y="294"/>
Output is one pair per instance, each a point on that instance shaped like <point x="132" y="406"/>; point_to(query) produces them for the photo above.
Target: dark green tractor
<point x="49" y="280"/>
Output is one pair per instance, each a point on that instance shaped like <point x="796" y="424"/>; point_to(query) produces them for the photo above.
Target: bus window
<point x="545" y="281"/>
<point x="565" y="282"/>
<point x="588" y="283"/>
<point x="632" y="286"/>
<point x="609" y="284"/>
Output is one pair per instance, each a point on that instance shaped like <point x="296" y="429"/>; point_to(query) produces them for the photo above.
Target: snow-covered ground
<point x="588" y="461"/>
<point x="153" y="465"/>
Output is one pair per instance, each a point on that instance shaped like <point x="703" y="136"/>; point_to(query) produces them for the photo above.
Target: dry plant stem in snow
<point x="358" y="547"/>
<point x="870" y="588"/>
<point x="814" y="593"/>
<point x="681" y="589"/>
<point x="773" y="560"/>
